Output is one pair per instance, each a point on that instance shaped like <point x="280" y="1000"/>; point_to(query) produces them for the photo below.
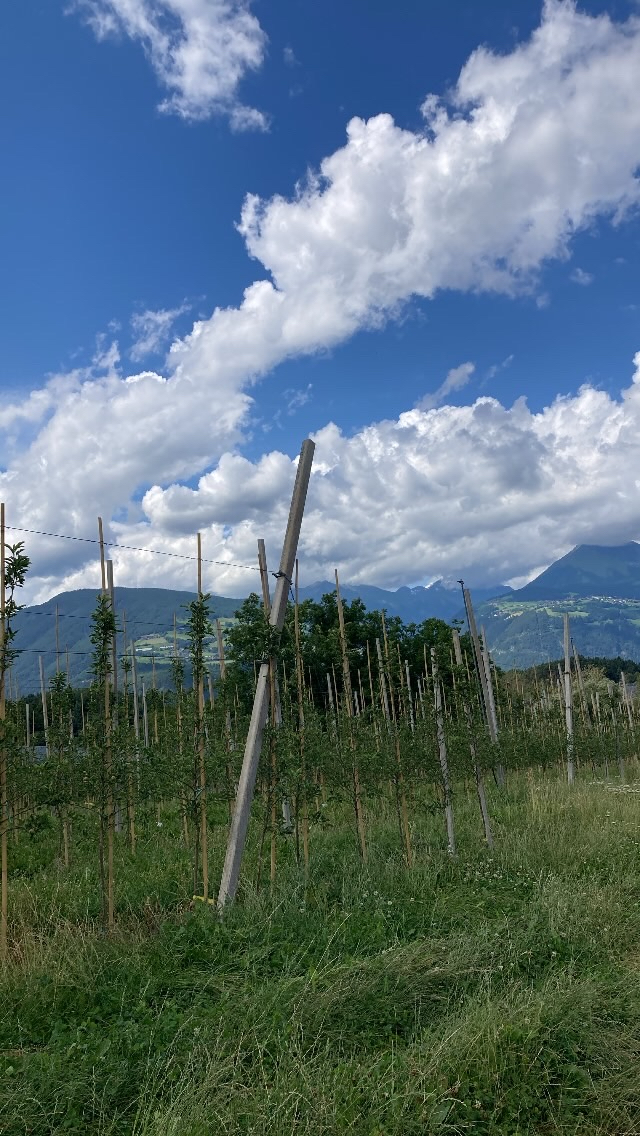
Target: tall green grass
<point x="497" y="993"/>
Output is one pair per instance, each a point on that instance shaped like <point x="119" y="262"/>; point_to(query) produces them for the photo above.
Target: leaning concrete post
<point x="246" y="784"/>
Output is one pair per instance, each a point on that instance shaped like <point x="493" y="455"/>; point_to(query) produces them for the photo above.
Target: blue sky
<point x="437" y="262"/>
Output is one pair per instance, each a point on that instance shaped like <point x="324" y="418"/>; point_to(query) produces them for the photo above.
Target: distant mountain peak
<point x="589" y="570"/>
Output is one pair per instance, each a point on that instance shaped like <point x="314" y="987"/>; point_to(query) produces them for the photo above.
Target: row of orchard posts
<point x="389" y="739"/>
<point x="417" y="735"/>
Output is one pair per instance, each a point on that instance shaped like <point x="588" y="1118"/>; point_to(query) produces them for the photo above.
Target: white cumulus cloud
<point x="485" y="490"/>
<point x="199" y="49"/>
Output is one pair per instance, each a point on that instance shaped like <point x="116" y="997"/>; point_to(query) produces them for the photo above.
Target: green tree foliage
<point x="15" y="570"/>
<point x="250" y="641"/>
<point x="198" y="627"/>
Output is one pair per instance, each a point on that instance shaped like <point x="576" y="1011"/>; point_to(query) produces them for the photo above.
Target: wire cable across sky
<point x="134" y="548"/>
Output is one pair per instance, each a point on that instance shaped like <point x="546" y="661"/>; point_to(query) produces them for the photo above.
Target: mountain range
<point x="599" y="586"/>
<point x="413" y="605"/>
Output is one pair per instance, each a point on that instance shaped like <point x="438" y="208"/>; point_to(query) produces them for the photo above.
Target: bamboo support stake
<point x="484" y="679"/>
<point x="335" y="687"/>
<point x="145" y="716"/>
<point x="401" y="798"/>
<point x="238" y="830"/>
<point x="586" y="718"/>
<point x="442" y="753"/>
<point x="482" y="798"/>
<point x="363" y="704"/>
<point x="330" y="693"/>
<point x="487" y="670"/>
<point x="625" y="698"/>
<point x="183" y="801"/>
<point x="409" y="695"/>
<point x="131" y="808"/>
<point x="108" y="760"/>
<point x="57" y="641"/>
<point x="371" y="694"/>
<point x="117" y="817"/>
<point x="156" y="732"/>
<point x="227" y="718"/>
<point x="136" y="705"/>
<point x="348" y="699"/>
<point x="385" y="640"/>
<point x="202" y="773"/>
<point x="383" y="686"/>
<point x="102" y="558"/>
<point x="627" y="703"/>
<point x="568" y="702"/>
<point x="43" y="699"/>
<point x="304" y="809"/>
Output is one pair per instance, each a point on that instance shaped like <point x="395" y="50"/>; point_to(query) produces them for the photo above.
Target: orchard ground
<point x="497" y="993"/>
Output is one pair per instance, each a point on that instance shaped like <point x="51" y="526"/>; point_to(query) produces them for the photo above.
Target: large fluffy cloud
<point x="199" y="49"/>
<point x="532" y="146"/>
<point x="486" y="490"/>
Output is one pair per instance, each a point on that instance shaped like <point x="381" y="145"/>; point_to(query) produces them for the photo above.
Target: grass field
<point x="498" y="993"/>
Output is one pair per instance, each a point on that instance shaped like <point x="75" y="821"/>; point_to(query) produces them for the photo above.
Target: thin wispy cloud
<point x="457" y="378"/>
<point x="152" y="329"/>
<point x="497" y="367"/>
<point x="296" y="399"/>
<point x="579" y="276"/>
